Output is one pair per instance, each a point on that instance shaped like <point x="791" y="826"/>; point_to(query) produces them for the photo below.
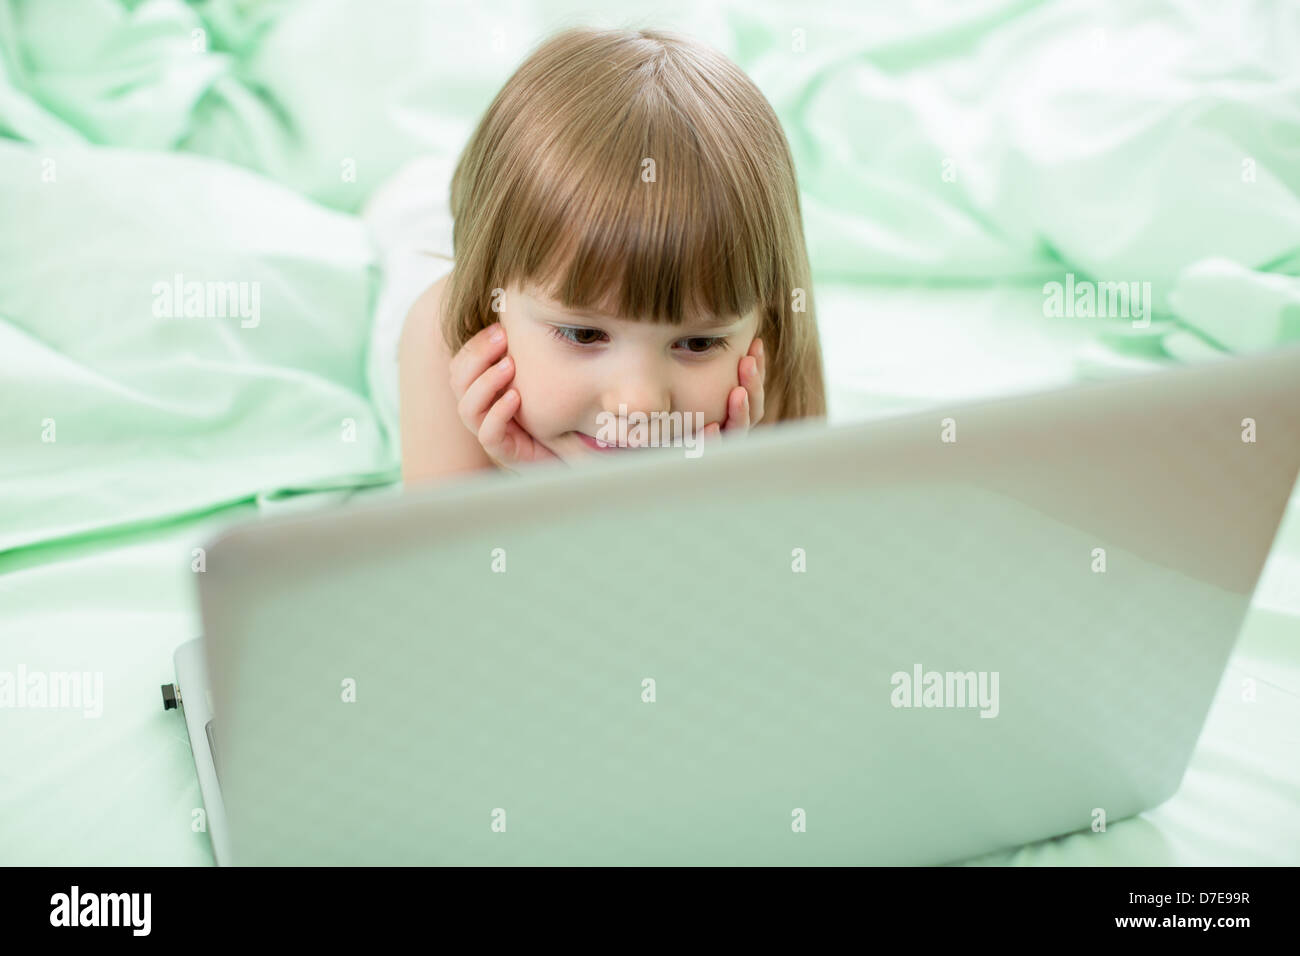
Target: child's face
<point x="565" y="386"/>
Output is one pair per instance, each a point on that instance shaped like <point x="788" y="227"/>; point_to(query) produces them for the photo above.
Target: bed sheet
<point x="953" y="161"/>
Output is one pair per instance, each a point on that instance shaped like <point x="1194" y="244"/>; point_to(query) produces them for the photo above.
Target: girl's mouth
<point x="595" y="445"/>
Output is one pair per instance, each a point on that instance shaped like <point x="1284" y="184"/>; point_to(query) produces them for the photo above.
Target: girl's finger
<point x="494" y="432"/>
<point x="482" y="393"/>
<point x="756" y="401"/>
<point x="737" y="410"/>
<point x="475" y="357"/>
<point x="753" y="382"/>
<point x="750" y="372"/>
<point x="758" y="360"/>
<point x="505" y="440"/>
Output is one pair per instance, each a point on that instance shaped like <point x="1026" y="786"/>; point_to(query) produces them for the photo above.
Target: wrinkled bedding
<point x="953" y="161"/>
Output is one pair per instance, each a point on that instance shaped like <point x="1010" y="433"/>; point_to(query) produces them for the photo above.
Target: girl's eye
<point x="571" y="335"/>
<point x="578" y="336"/>
<point x="710" y="343"/>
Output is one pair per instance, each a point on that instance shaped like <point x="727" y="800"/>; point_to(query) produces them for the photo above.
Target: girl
<point x="627" y="238"/>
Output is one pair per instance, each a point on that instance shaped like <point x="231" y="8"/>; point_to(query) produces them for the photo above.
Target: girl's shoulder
<point x="435" y="442"/>
<point x="423" y="325"/>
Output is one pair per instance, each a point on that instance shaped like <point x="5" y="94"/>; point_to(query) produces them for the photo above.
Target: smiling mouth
<point x="596" y="445"/>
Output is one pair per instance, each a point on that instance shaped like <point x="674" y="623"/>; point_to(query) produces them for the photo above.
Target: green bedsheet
<point x="952" y="160"/>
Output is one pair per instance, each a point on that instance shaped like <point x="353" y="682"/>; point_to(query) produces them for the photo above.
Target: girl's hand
<point x="479" y="372"/>
<point x="745" y="401"/>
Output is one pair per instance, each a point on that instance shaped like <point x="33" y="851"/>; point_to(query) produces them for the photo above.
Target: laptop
<point x="909" y="640"/>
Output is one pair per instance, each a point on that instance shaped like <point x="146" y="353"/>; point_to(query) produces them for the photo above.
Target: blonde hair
<point x="642" y="173"/>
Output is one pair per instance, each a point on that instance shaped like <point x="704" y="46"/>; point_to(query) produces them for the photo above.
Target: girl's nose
<point x="638" y="395"/>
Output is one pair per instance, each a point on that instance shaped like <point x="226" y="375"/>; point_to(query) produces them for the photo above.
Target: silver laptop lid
<point x="908" y="640"/>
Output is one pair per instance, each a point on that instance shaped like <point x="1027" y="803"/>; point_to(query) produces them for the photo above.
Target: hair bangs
<point x="648" y="225"/>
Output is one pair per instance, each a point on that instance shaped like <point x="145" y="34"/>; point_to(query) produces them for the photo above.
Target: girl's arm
<point x="435" y="442"/>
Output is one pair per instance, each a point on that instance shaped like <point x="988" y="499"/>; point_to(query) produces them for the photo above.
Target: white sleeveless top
<point x="409" y="220"/>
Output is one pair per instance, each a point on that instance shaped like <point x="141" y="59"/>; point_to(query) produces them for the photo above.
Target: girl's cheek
<point x="537" y="398"/>
<point x="712" y="401"/>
